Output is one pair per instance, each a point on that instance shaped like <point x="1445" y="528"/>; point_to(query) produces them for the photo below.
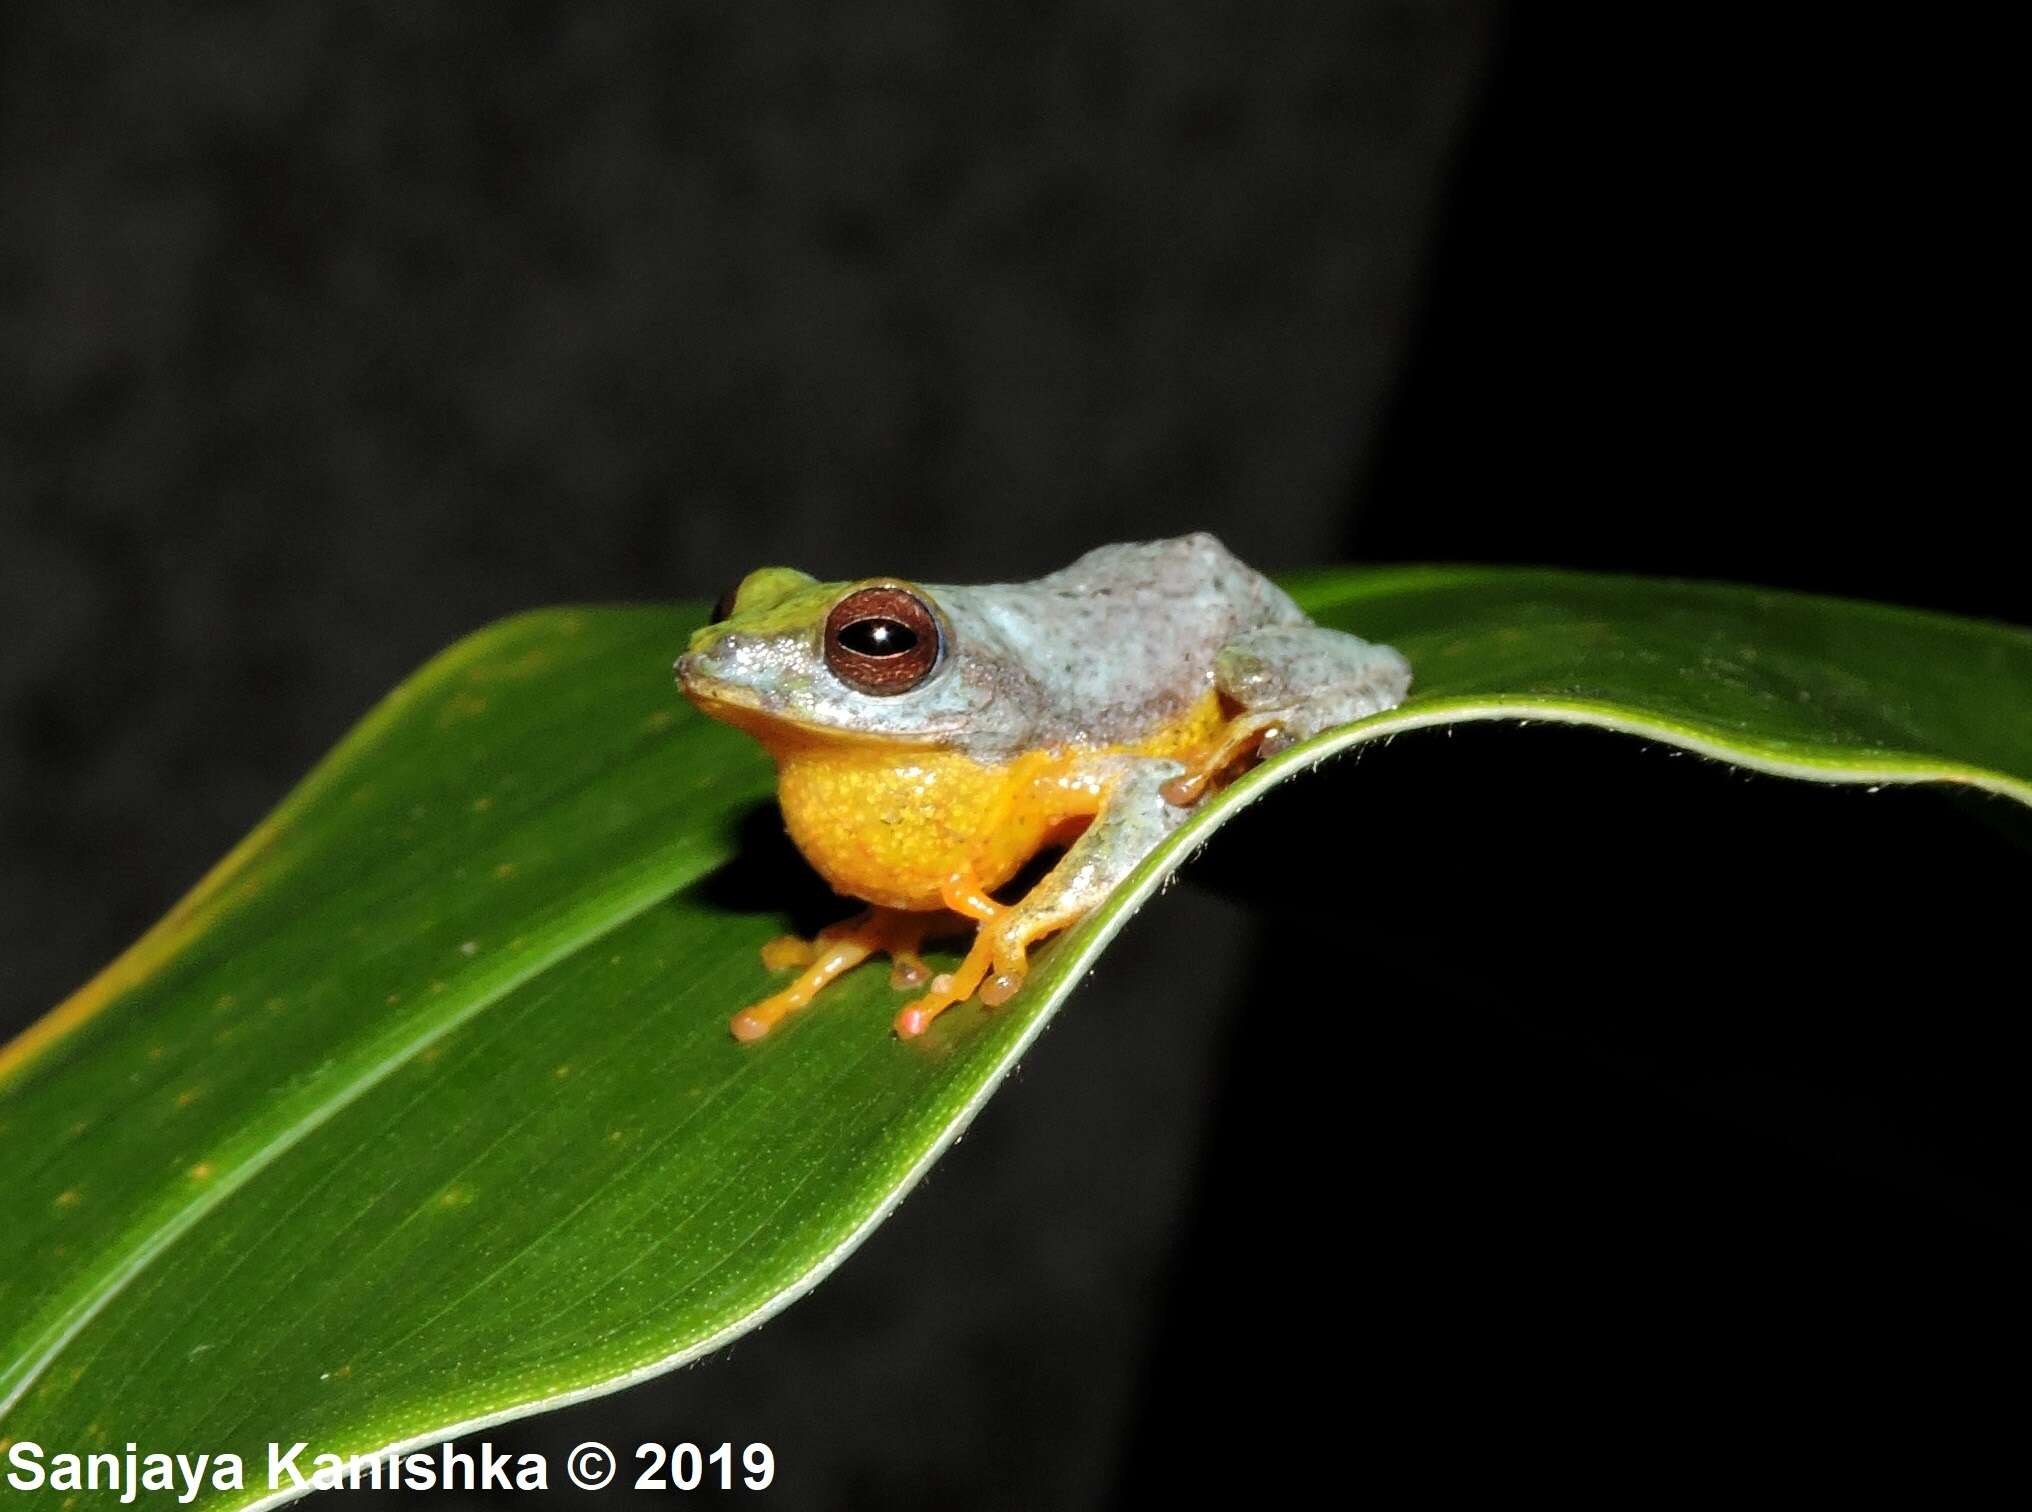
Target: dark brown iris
<point x="881" y="640"/>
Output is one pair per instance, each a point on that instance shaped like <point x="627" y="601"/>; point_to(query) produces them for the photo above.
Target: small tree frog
<point x="930" y="740"/>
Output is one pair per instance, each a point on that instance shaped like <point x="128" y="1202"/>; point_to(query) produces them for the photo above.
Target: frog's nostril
<point x="721" y="657"/>
<point x="715" y="659"/>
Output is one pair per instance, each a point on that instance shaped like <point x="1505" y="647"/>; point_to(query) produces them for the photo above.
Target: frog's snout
<point x="709" y="655"/>
<point x="719" y="670"/>
<point x="700" y="672"/>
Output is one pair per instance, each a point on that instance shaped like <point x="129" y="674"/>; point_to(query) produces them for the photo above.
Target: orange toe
<point x="1001" y="987"/>
<point x="786" y="951"/>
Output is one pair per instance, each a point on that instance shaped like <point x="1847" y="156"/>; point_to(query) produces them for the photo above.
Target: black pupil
<point x="878" y="637"/>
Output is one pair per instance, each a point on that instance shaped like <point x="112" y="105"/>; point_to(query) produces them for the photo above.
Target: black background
<point x="1666" y="1122"/>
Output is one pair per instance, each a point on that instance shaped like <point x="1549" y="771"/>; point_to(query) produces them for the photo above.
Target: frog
<point x="932" y="741"/>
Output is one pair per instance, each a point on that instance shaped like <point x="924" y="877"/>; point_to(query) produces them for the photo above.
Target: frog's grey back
<point x="1114" y="646"/>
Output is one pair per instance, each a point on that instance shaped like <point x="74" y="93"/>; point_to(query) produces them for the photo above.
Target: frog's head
<point x="791" y="658"/>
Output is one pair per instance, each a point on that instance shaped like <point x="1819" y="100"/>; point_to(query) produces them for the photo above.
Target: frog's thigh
<point x="1293" y="681"/>
<point x="1134" y="818"/>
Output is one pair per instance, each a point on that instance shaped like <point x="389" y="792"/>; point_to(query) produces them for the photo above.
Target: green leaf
<point x="421" y="1112"/>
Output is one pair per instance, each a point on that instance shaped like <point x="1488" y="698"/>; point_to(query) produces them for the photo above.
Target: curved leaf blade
<point x="1805" y="686"/>
<point x="519" y="795"/>
<point x="436" y="1187"/>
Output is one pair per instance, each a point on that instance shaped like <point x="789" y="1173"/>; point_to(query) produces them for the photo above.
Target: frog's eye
<point x="881" y="640"/>
<point x="724" y="607"/>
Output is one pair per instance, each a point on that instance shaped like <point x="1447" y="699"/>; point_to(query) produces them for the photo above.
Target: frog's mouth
<point x="765" y="715"/>
<point x="729" y="702"/>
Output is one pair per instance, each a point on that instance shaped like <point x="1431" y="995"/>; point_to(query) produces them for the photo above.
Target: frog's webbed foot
<point x="1133" y="819"/>
<point x="1293" y="682"/>
<point x="837" y="948"/>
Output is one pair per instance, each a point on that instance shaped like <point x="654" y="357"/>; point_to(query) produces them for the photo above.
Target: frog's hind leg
<point x="838" y="948"/>
<point x="1133" y="817"/>
<point x="1292" y="682"/>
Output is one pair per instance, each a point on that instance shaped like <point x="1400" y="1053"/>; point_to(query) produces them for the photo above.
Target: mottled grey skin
<point x="1109" y="649"/>
<point x="1100" y="653"/>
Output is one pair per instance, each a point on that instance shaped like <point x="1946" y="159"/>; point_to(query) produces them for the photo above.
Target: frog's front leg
<point x="1292" y="682"/>
<point x="838" y="948"/>
<point x="1132" y="818"/>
